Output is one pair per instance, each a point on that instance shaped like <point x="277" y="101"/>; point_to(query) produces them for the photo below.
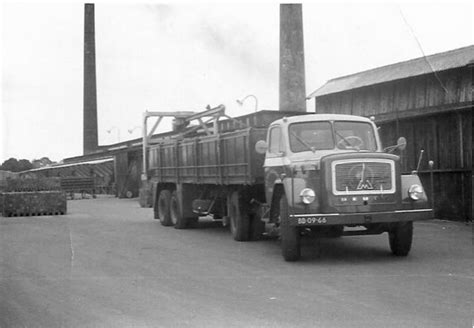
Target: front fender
<point x="293" y="188"/>
<point x="407" y="181"/>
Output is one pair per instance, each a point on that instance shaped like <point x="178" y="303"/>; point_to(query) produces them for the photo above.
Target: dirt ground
<point x="108" y="263"/>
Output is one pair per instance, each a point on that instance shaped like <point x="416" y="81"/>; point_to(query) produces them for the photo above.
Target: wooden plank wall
<point x="445" y="88"/>
<point x="444" y="133"/>
<point x="446" y="140"/>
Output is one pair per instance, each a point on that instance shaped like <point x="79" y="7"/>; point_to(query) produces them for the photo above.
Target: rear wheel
<point x="179" y="221"/>
<point x="290" y="235"/>
<point x="176" y="217"/>
<point x="400" y="238"/>
<point x="162" y="210"/>
<point x="239" y="219"/>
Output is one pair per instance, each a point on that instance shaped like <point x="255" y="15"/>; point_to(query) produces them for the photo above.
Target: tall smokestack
<point x="90" y="143"/>
<point x="292" y="76"/>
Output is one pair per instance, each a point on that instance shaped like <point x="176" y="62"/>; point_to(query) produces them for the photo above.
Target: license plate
<point x="312" y="220"/>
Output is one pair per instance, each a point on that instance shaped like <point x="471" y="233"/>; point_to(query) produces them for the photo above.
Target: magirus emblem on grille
<point x="365" y="185"/>
<point x="364" y="174"/>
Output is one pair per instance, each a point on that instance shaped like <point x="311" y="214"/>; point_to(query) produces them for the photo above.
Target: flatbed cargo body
<point x="224" y="159"/>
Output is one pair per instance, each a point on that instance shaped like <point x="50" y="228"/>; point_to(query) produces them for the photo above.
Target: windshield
<point x="355" y="135"/>
<point x="314" y="136"/>
<point x="311" y="136"/>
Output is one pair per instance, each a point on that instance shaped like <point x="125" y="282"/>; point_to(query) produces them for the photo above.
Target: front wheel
<point x="400" y="238"/>
<point x="290" y="235"/>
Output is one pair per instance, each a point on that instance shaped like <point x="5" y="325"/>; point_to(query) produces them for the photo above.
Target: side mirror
<point x="402" y="143"/>
<point x="261" y="146"/>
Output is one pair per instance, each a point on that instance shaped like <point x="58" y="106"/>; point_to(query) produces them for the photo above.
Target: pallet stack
<point x="33" y="197"/>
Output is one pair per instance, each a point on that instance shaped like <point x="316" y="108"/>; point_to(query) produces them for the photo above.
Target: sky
<point x="170" y="57"/>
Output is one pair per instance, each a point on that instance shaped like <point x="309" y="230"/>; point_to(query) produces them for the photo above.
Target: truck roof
<point x="323" y="117"/>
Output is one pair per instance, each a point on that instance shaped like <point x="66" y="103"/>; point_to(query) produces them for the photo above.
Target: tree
<point x="42" y="162"/>
<point x="10" y="164"/>
<point x="24" y="165"/>
<point x="14" y="165"/>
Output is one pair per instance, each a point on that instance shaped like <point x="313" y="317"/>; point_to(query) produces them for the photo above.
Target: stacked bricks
<point x="33" y="197"/>
<point x="81" y="185"/>
<point x="30" y="184"/>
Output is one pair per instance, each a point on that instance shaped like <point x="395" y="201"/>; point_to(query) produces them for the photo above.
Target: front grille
<point x="356" y="176"/>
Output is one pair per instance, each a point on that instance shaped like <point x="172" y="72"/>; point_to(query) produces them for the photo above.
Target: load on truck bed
<point x="284" y="174"/>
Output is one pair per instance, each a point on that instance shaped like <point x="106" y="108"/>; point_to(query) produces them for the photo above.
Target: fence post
<point x="431" y="164"/>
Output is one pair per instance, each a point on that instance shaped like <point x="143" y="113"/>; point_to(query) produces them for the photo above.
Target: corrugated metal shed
<point x="415" y="67"/>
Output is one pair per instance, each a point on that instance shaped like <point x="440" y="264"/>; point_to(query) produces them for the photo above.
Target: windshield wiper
<point x="346" y="141"/>
<point x="343" y="138"/>
<point x="304" y="143"/>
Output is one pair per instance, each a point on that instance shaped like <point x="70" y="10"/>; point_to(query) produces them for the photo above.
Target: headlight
<point x="307" y="195"/>
<point x="415" y="191"/>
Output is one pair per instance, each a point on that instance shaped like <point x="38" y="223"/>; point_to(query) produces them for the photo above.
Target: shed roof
<point x="60" y="166"/>
<point x="414" y="67"/>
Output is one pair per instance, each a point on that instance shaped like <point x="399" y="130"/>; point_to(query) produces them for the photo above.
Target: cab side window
<point x="276" y="140"/>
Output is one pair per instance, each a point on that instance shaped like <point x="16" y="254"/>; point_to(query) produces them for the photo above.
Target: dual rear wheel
<point x="162" y="208"/>
<point x="168" y="210"/>
<point x="244" y="224"/>
<point x="239" y="220"/>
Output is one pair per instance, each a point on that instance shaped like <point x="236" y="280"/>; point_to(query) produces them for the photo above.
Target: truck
<point x="285" y="174"/>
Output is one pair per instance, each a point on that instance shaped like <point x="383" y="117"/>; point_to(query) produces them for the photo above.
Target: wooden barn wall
<point x="402" y="95"/>
<point x="445" y="136"/>
<point x="446" y="139"/>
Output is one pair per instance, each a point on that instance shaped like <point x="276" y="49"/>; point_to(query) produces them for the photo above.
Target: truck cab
<point x="324" y="172"/>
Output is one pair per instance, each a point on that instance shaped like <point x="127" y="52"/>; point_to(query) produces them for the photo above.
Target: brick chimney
<point x="292" y="71"/>
<point x="90" y="143"/>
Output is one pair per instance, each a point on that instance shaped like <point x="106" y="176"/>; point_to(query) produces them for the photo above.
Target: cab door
<point x="274" y="160"/>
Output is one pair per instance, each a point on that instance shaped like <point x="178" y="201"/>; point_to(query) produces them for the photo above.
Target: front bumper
<point x="359" y="218"/>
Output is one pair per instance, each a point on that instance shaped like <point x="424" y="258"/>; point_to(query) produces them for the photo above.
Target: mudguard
<point x="407" y="181"/>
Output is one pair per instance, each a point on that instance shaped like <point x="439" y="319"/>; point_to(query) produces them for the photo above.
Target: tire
<point x="400" y="238"/>
<point x="290" y="236"/>
<point x="177" y="218"/>
<point x="162" y="211"/>
<point x="239" y="220"/>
